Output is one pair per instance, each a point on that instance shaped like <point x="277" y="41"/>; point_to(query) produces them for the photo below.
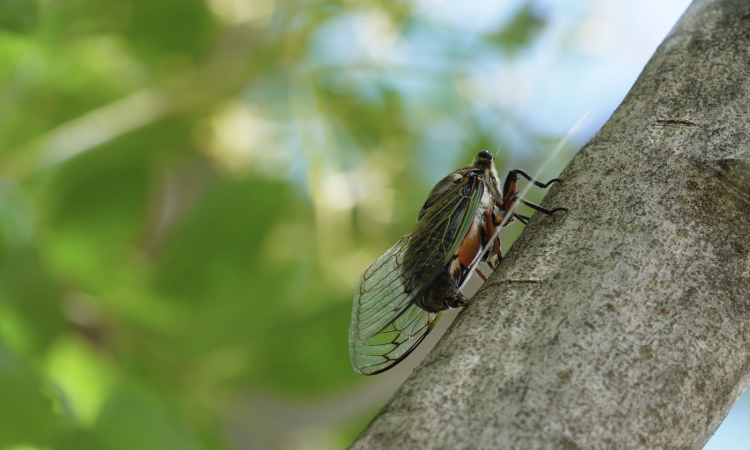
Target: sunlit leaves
<point x="84" y="376"/>
<point x="189" y="191"/>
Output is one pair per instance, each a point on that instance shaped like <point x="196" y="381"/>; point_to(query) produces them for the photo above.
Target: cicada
<point x="400" y="297"/>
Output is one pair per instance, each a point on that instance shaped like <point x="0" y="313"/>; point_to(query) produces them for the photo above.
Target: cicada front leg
<point x="490" y="221"/>
<point x="510" y="197"/>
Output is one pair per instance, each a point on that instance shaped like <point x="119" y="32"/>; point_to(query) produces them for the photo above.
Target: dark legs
<point x="510" y="197"/>
<point x="492" y="222"/>
<point x="536" y="183"/>
<point x="523" y="219"/>
<point x="489" y="224"/>
<point x="537" y="207"/>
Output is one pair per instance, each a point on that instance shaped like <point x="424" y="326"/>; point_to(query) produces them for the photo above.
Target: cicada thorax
<point x="438" y="230"/>
<point x="444" y="293"/>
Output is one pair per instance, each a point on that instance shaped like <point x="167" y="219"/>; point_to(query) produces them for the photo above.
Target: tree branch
<point x="636" y="331"/>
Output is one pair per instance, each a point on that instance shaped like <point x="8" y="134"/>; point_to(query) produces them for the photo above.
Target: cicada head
<point x="484" y="162"/>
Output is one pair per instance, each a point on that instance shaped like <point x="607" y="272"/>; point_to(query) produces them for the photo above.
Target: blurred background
<point x="189" y="190"/>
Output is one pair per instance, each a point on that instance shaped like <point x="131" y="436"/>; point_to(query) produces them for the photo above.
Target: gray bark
<point x="624" y="323"/>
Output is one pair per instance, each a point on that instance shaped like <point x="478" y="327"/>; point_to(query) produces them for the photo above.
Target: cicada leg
<point x="510" y="197"/>
<point x="541" y="209"/>
<point x="533" y="181"/>
<point x="491" y="263"/>
<point x="490" y="226"/>
<point x="488" y="235"/>
<point x="509" y="192"/>
<point x="523" y="219"/>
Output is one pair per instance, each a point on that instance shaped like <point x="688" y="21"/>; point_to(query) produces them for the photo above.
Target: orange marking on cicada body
<point x="470" y="245"/>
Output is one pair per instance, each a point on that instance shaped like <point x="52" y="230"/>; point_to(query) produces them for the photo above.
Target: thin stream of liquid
<point x="563" y="142"/>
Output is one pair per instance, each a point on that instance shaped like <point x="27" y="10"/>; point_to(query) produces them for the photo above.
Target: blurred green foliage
<point x="519" y="32"/>
<point x="189" y="190"/>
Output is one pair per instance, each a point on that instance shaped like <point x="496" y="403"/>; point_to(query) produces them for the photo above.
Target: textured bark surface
<point x="624" y="323"/>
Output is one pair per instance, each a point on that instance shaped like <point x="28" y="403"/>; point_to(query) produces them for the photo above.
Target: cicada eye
<point x="485" y="154"/>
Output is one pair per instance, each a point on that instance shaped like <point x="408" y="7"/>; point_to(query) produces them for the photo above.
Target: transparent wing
<point x="386" y="324"/>
<point x="394" y="343"/>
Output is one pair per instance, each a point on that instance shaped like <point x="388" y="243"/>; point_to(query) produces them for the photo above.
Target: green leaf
<point x="18" y="15"/>
<point x="520" y="31"/>
<point x="26" y="409"/>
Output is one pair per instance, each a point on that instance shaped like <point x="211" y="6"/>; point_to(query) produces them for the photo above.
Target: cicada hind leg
<point x="490" y="261"/>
